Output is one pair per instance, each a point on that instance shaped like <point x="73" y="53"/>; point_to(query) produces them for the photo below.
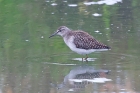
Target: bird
<point x="80" y="41"/>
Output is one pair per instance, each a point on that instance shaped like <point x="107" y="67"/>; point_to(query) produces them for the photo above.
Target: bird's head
<point x="62" y="30"/>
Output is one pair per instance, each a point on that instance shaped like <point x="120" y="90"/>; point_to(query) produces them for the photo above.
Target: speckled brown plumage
<point x="83" y="40"/>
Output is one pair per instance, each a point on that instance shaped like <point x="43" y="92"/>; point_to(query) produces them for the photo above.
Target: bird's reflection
<point x="81" y="76"/>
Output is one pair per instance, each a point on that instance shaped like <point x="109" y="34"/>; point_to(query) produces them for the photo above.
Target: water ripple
<point x="59" y="64"/>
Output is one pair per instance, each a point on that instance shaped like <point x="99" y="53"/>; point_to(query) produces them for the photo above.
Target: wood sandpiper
<point x="79" y="41"/>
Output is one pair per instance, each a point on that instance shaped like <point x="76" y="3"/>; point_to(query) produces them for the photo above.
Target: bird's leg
<point x="82" y="59"/>
<point x="86" y="57"/>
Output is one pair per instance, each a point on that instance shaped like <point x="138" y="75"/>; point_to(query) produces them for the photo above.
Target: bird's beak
<point x="53" y="34"/>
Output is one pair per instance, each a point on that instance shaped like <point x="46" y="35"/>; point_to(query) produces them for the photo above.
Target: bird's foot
<point x="85" y="59"/>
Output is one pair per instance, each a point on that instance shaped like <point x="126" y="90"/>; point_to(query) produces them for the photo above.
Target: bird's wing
<point x="83" y="40"/>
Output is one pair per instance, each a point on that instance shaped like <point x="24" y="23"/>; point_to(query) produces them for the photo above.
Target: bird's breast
<point x="69" y="42"/>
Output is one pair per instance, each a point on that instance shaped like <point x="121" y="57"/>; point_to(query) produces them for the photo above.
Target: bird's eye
<point x="60" y="30"/>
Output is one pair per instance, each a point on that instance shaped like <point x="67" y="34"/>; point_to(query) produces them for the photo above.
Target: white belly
<point x="71" y="45"/>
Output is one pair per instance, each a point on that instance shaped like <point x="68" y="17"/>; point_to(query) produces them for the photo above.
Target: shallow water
<point x="30" y="62"/>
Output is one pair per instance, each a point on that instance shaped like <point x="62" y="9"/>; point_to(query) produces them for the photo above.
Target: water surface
<point x="30" y="62"/>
